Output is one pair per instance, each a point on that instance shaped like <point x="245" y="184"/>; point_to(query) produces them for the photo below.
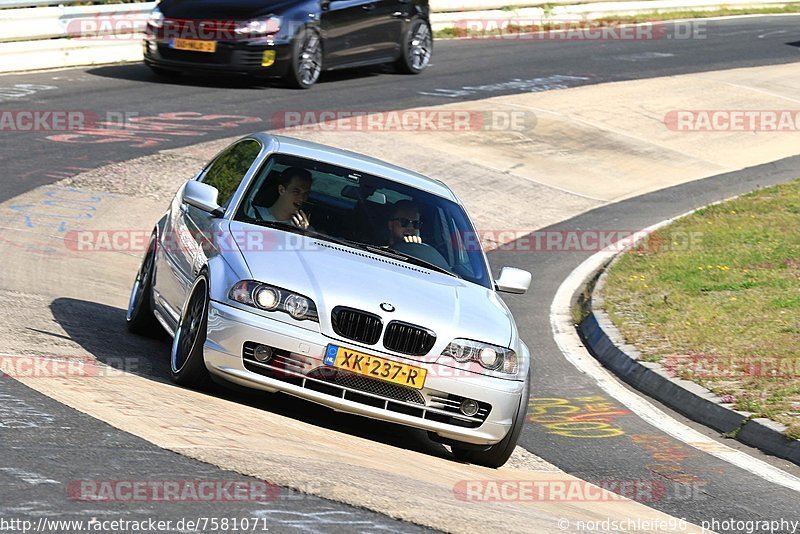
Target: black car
<point x="290" y="39"/>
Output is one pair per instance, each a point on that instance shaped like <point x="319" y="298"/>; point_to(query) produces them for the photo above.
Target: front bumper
<point x="230" y="328"/>
<point x="230" y="57"/>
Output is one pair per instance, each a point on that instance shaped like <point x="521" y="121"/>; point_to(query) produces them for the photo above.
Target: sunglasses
<point x="405" y="223"/>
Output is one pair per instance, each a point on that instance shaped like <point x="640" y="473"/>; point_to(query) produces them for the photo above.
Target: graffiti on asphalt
<point x="151" y="131"/>
<point x="578" y="417"/>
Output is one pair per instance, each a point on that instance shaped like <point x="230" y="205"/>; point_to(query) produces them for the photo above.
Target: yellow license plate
<point x="375" y="367"/>
<point x="194" y="45"/>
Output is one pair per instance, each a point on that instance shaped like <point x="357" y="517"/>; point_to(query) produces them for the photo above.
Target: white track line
<point x="576" y="353"/>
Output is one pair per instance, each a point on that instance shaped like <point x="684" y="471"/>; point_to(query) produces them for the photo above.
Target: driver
<point x="404" y="224"/>
<point x="294" y="185"/>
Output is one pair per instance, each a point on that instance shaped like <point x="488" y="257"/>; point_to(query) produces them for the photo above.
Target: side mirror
<point x="325" y="5"/>
<point x="513" y="280"/>
<point x="203" y="197"/>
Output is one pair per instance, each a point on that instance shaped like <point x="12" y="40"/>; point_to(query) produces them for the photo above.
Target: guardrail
<point x="34" y="3"/>
<point x="31" y="24"/>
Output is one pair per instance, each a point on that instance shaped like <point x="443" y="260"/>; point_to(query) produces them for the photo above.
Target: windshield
<point x="365" y="211"/>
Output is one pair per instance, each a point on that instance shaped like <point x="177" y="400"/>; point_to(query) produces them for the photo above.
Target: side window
<point x="227" y="171"/>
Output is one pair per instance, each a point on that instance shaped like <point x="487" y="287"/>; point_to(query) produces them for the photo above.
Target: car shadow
<point x="138" y="72"/>
<point x="101" y="331"/>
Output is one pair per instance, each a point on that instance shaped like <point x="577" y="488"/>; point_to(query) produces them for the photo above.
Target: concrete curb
<point x="20" y="56"/>
<point x="522" y="15"/>
<point x="697" y="403"/>
<point x="557" y="8"/>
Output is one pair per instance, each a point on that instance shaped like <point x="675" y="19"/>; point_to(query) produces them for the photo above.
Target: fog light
<point x="469" y="407"/>
<point x="268" y="58"/>
<point x="263" y="353"/>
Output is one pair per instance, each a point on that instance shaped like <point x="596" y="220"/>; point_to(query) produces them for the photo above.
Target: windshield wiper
<point x="354" y="244"/>
<point x="409" y="259"/>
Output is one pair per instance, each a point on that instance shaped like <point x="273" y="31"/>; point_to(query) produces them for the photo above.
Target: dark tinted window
<point x="227" y="171"/>
<point x="362" y="208"/>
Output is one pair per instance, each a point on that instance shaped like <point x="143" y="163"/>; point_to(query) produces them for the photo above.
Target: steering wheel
<point x="422" y="251"/>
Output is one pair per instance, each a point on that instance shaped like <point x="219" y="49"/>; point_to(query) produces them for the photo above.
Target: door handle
<point x="368" y="7"/>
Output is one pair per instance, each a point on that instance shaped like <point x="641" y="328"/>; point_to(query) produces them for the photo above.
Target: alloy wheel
<point x="140" y="285"/>
<point x="189" y="328"/>
<point x="419" y="47"/>
<point x="309" y="61"/>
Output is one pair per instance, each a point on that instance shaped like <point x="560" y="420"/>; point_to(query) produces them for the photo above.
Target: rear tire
<point x="417" y="48"/>
<point x="497" y="455"/>
<point x="140" y="318"/>
<point x="306" y="60"/>
<point x="186" y="359"/>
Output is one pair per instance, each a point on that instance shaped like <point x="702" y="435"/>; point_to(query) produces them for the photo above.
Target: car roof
<point x="355" y="161"/>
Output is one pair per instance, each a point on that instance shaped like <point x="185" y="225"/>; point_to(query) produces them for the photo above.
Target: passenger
<point x="404" y="223"/>
<point x="294" y="185"/>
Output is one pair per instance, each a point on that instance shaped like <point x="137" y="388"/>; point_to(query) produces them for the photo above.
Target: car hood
<point x="226" y="10"/>
<point x="334" y="275"/>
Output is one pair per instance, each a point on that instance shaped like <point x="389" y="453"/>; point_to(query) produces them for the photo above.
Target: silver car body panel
<point x="335" y="275"/>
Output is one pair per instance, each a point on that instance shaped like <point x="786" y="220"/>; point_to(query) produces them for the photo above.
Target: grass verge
<point x="715" y="297"/>
<point x="512" y="29"/>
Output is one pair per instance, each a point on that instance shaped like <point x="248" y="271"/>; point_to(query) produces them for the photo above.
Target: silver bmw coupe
<point x="293" y="267"/>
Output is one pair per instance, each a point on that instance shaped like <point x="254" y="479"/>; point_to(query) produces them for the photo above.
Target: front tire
<point x="139" y="317"/>
<point x="186" y="360"/>
<point x="497" y="455"/>
<point x="417" y="48"/>
<point x="306" y="60"/>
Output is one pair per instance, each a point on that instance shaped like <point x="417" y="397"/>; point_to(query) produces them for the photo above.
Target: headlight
<point x="267" y="298"/>
<point x="490" y="357"/>
<point x="156" y="19"/>
<point x="271" y="298"/>
<point x="255" y="28"/>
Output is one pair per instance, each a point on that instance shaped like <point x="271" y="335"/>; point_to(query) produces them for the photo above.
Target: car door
<point x="345" y="31"/>
<point x="382" y="33"/>
<point x="189" y="227"/>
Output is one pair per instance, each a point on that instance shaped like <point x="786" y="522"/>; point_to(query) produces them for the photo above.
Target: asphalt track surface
<point x="461" y="70"/>
<point x="51" y="443"/>
<point x="696" y="485"/>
